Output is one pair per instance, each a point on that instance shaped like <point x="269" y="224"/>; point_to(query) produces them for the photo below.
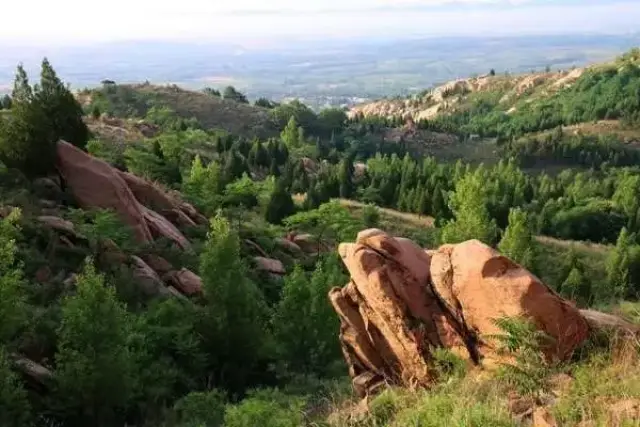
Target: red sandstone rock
<point x="95" y="184"/>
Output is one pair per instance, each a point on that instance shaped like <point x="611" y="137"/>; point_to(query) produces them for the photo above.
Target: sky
<point x="85" y="21"/>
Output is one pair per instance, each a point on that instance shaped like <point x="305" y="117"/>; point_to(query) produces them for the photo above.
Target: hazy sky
<point x="80" y="21"/>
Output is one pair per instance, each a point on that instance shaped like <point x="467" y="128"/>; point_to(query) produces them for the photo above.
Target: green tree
<point x="94" y="375"/>
<point x="329" y="221"/>
<point x="14" y="406"/>
<point x="232" y="324"/>
<point x="517" y="242"/>
<point x="438" y="205"/>
<point x="214" y="93"/>
<point x="5" y="102"/>
<point x="469" y="205"/>
<point x="346" y="177"/>
<point x="13" y="309"/>
<point x="280" y="204"/>
<point x="61" y="108"/>
<point x="95" y="112"/>
<point x="204" y="185"/>
<point x="326" y="350"/>
<point x="371" y="216"/>
<point x="292" y="322"/>
<point x="201" y="409"/>
<point x="332" y="120"/>
<point x="168" y="354"/>
<point x="15" y="410"/>
<point x="577" y="287"/>
<point x="265" y="103"/>
<point x="292" y="135"/>
<point x="231" y="93"/>
<point x="27" y="141"/>
<point x="618" y="265"/>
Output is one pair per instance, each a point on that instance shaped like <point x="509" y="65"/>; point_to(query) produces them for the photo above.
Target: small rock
<point x="270" y="265"/>
<point x="47" y="187"/>
<point x="148" y="279"/>
<point x="50" y="204"/>
<point x="307" y="242"/>
<point x="59" y="224"/>
<point x="185" y="281"/>
<point x="288" y="245"/>
<point x="111" y="254"/>
<point x="159" y="264"/>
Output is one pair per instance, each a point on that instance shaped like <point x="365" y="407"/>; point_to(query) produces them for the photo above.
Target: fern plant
<point x="529" y="370"/>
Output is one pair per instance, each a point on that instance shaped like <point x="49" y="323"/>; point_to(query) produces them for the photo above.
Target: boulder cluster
<point x="402" y="302"/>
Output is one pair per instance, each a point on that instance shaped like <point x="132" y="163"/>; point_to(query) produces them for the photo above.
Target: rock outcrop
<point x="186" y="281"/>
<point x="97" y="185"/>
<point x="403" y="301"/>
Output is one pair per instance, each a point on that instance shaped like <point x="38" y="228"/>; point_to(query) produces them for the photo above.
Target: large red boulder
<point x="402" y="302"/>
<point x="481" y="286"/>
<point x="95" y="184"/>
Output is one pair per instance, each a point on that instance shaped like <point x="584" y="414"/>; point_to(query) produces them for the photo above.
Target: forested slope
<point x="164" y="267"/>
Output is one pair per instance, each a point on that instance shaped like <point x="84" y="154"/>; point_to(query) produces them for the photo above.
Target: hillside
<point x="157" y="272"/>
<point x="210" y="111"/>
<point x="449" y="97"/>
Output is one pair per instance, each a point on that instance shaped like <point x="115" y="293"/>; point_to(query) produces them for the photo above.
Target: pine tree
<point x="94" y="375"/>
<point x="291" y="134"/>
<point x="517" y="242"/>
<point x="61" y="107"/>
<point x="232" y="324"/>
<point x="280" y="204"/>
<point x="204" y="185"/>
<point x="618" y="265"/>
<point x="422" y="206"/>
<point x="27" y="141"/>
<point x="346" y="177"/>
<point x="577" y="287"/>
<point x="273" y="168"/>
<point x="291" y="321"/>
<point x="438" y="209"/>
<point x="472" y="219"/>
<point x="304" y="321"/>
<point x="312" y="200"/>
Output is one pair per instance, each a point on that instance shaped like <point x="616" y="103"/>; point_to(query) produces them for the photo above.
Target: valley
<point x="465" y="255"/>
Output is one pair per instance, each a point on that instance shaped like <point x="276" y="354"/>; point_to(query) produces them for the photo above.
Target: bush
<point x="268" y="408"/>
<point x="15" y="410"/>
<point x="39" y="118"/>
<point x="371" y="216"/>
<point x="201" y="409"/>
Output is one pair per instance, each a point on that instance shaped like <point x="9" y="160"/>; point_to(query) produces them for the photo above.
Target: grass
<point x="211" y="112"/>
<point x="599" y="388"/>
